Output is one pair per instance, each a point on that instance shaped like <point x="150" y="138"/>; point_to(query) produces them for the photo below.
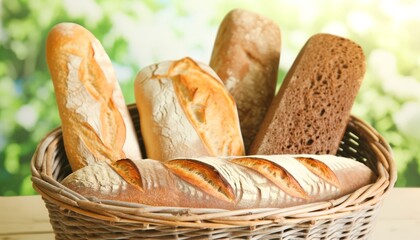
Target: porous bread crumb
<point x="312" y="108"/>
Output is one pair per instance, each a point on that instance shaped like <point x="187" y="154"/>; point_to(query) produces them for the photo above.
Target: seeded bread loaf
<point x="185" y="111"/>
<point x="246" y="57"/>
<point x="227" y="182"/>
<point x="96" y="124"/>
<point x="310" y="112"/>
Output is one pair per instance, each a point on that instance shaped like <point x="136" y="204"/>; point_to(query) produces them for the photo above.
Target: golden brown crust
<point x="185" y="111"/>
<point x="202" y="176"/>
<point x="95" y="121"/>
<point x="277" y="174"/>
<point x="224" y="182"/>
<point x="211" y="110"/>
<point x="129" y="172"/>
<point x="320" y="169"/>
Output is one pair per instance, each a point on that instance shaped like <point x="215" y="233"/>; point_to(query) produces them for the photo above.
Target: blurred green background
<point x="139" y="33"/>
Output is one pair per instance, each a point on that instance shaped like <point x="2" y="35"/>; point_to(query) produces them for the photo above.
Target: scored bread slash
<point x="129" y="172"/>
<point x="185" y="111"/>
<point x="95" y="121"/>
<point x="320" y="169"/>
<point x="275" y="173"/>
<point x="203" y="176"/>
<point x="220" y="182"/>
<point x="208" y="106"/>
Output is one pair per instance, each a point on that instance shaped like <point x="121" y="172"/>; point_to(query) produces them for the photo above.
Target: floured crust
<point x="222" y="182"/>
<point x="185" y="111"/>
<point x="246" y="56"/>
<point x="95" y="121"/>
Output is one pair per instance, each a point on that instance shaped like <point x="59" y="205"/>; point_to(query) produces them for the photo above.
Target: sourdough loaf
<point x="96" y="124"/>
<point x="185" y="111"/>
<point x="246" y="57"/>
<point x="273" y="181"/>
<point x="310" y="112"/>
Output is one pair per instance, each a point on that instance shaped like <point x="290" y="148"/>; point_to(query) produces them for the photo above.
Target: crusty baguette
<point x="310" y="112"/>
<point x="95" y="121"/>
<point x="225" y="182"/>
<point x="246" y="56"/>
<point x="185" y="111"/>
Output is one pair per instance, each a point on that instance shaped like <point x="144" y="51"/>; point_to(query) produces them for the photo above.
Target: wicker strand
<point x="74" y="216"/>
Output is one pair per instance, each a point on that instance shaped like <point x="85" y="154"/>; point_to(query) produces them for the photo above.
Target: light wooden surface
<point x="24" y="218"/>
<point x="27" y="218"/>
<point x="399" y="216"/>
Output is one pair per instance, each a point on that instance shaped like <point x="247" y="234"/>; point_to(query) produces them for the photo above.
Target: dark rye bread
<point x="310" y="112"/>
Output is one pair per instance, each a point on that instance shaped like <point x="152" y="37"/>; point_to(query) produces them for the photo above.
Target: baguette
<point x="310" y="112"/>
<point x="96" y="124"/>
<point x="246" y="57"/>
<point x="274" y="181"/>
<point x="185" y="111"/>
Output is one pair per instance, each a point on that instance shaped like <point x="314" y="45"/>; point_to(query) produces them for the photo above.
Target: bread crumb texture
<point x="312" y="108"/>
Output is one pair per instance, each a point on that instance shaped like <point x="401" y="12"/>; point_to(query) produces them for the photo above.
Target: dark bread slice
<point x="310" y="112"/>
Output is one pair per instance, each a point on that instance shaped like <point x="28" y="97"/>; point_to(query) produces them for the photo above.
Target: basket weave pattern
<point x="74" y="216"/>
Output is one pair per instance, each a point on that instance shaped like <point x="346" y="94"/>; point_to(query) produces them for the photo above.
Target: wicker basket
<point x="350" y="217"/>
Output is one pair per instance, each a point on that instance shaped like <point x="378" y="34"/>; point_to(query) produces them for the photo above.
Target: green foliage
<point x="140" y="33"/>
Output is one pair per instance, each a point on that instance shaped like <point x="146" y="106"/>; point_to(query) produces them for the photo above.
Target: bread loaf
<point x="227" y="182"/>
<point x="185" y="111"/>
<point x="310" y="112"/>
<point x="95" y="121"/>
<point x="246" y="57"/>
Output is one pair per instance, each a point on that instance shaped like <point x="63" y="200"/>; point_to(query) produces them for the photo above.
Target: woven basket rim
<point x="51" y="190"/>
